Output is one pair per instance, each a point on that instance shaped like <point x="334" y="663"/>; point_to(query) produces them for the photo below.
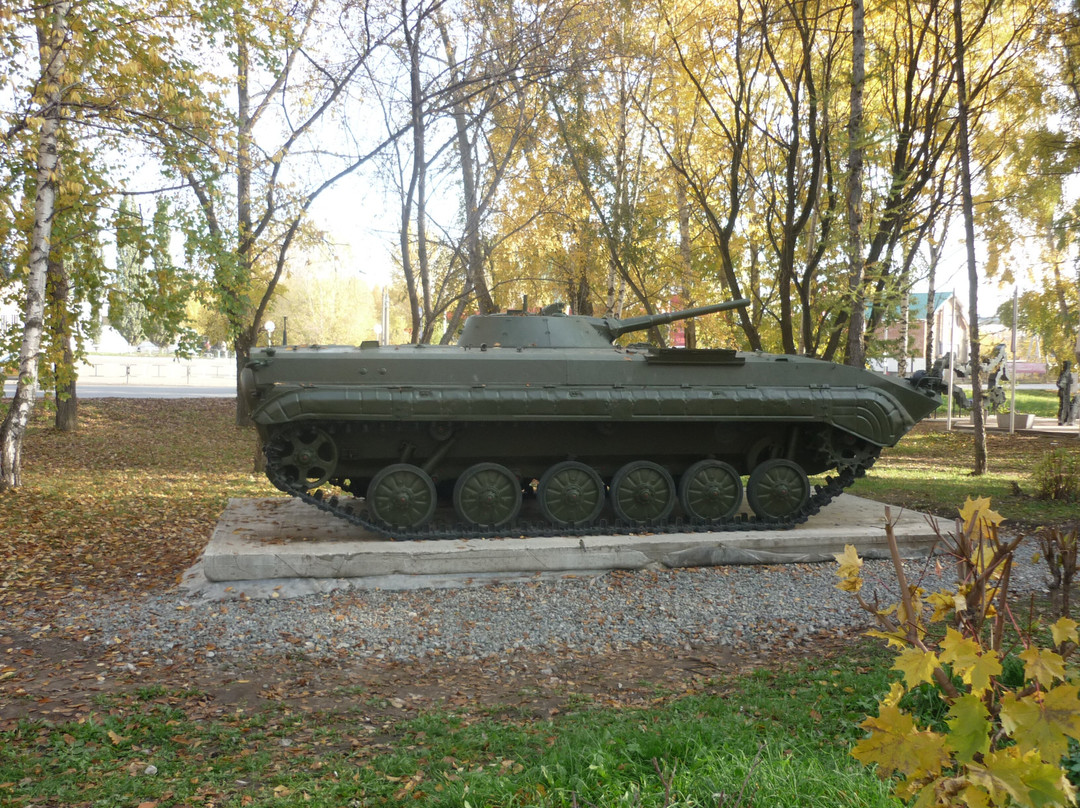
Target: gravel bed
<point x="745" y="607"/>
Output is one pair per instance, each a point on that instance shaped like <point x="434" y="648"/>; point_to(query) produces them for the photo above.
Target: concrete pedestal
<point x="279" y="538"/>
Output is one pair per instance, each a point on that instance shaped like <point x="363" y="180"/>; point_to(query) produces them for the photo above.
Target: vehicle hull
<point x="530" y="408"/>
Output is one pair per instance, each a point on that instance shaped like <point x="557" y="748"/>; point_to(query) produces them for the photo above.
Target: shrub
<point x="1011" y="707"/>
<point x="1057" y="476"/>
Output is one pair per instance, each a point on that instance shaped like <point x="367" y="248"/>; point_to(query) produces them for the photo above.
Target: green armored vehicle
<point x="545" y="412"/>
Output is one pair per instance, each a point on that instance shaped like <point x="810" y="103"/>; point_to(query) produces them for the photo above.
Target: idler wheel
<point x="487" y="495"/>
<point x="710" y="491"/>
<point x="306" y="455"/>
<point x="402" y="496"/>
<point x="642" y="493"/>
<point x="777" y="489"/>
<point x="570" y="493"/>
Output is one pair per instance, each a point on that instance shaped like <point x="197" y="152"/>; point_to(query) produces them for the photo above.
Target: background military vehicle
<point x="543" y="410"/>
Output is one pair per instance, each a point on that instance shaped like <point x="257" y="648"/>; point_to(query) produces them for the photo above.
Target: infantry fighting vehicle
<point x="545" y="409"/>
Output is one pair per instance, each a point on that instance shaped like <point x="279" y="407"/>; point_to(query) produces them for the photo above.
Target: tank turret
<point x="557" y="330"/>
<point x="536" y="423"/>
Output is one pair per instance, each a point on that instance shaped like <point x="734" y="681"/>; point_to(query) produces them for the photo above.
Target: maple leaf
<point x="849" y="561"/>
<point x="896" y="692"/>
<point x="896" y="745"/>
<point x="1024" y="777"/>
<point x="917" y="666"/>
<point x="1043" y="722"/>
<point x="1065" y="629"/>
<point x="972" y="796"/>
<point x="977" y="516"/>
<point x="972" y="507"/>
<point x="944" y="603"/>
<point x="850" y="585"/>
<point x="894" y="639"/>
<point x="969" y="722"/>
<point x="973" y="666"/>
<point x="1042" y="666"/>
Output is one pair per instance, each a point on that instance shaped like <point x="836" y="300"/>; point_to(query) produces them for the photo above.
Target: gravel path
<point x="744" y="607"/>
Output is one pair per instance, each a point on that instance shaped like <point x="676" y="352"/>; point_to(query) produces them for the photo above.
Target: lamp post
<point x="269" y="326"/>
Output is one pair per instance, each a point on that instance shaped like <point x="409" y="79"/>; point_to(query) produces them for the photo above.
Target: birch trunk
<point x="54" y="49"/>
<point x="855" y="353"/>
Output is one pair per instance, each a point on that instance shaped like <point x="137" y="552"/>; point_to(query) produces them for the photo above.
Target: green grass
<point x="775" y="737"/>
<point x="1038" y="402"/>
<point x="930" y="470"/>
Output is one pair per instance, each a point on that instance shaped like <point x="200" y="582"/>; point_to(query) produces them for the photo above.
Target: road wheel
<point x="402" y="496"/>
<point x="642" y="493"/>
<point x="777" y="489"/>
<point x="710" y="491"/>
<point x="570" y="494"/>
<point x="487" y="495"/>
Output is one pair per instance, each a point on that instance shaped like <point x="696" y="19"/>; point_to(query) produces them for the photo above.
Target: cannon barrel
<point x="619" y="327"/>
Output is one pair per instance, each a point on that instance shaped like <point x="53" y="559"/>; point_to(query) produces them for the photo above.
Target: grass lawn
<point x="930" y="470"/>
<point x="774" y="737"/>
<point x="127" y="503"/>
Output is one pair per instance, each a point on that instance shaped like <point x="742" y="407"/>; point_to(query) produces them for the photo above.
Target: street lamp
<point x="269" y="326"/>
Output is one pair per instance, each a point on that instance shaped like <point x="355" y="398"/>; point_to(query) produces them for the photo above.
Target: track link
<point x="353" y="510"/>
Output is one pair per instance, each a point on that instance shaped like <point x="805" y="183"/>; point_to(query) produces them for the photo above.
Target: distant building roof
<point x="916" y="306"/>
<point x="918" y="300"/>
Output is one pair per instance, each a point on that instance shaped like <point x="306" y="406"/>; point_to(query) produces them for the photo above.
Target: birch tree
<point x="855" y="353"/>
<point x="54" y="48"/>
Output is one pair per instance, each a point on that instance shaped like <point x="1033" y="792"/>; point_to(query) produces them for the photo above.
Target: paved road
<point x="90" y="390"/>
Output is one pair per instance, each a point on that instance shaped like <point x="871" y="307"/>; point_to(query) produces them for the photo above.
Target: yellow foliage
<point x="975" y="667"/>
<point x="1022" y="776"/>
<point x="895" y="744"/>
<point x="1065" y="630"/>
<point x="1005" y="744"/>
<point x="1045" y="667"/>
<point x="917" y="666"/>
<point x="977" y="513"/>
<point x="1044" y="721"/>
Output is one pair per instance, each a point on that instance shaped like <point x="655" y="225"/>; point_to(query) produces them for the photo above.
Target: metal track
<point x="353" y="510"/>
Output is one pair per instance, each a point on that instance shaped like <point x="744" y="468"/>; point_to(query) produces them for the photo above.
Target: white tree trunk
<point x="855" y="352"/>
<point x="54" y="49"/>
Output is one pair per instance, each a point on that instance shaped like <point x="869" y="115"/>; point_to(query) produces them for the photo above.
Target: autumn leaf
<point x="896" y="692"/>
<point x="972" y="507"/>
<point x="974" y="667"/>
<point x="976" y="513"/>
<point x="1022" y="776"/>
<point x="894" y="639"/>
<point x="1042" y="666"/>
<point x="1043" y="722"/>
<point x="969" y="722"/>
<point x="1065" y="630"/>
<point x="944" y="603"/>
<point x="896" y="745"/>
<point x="850" y="585"/>
<point x="917" y="666"/>
<point x="849" y="561"/>
<point x="972" y="796"/>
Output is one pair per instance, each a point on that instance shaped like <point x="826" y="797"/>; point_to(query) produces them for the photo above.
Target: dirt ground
<point x="57" y="680"/>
